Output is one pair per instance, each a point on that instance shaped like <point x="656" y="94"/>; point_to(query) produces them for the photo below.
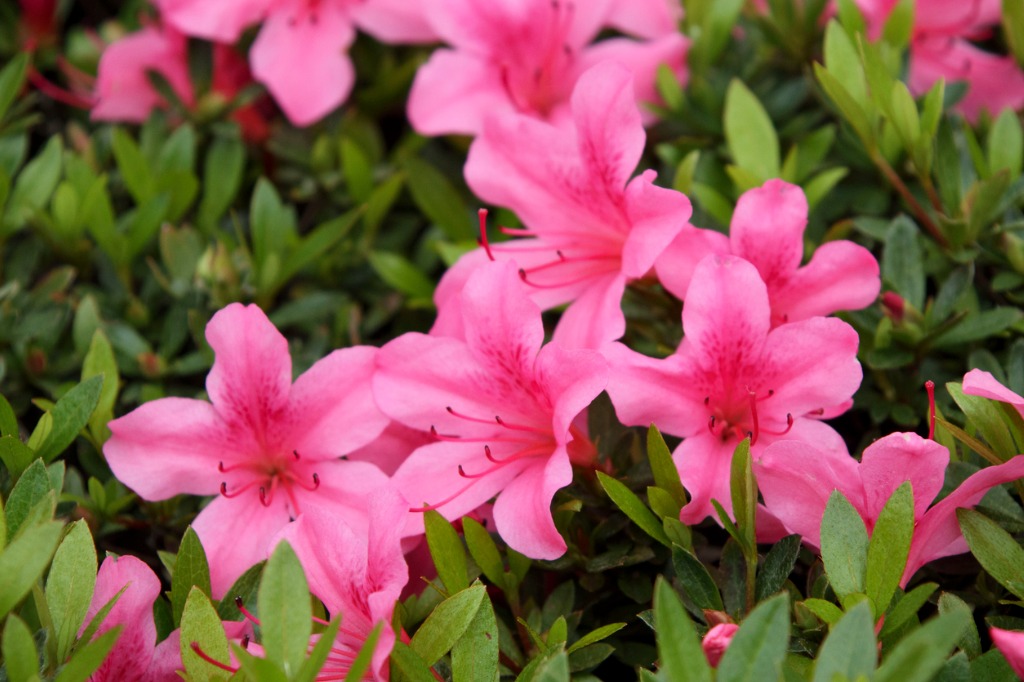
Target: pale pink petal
<point x="981" y="383"/>
<point x="796" y="479"/>
<point x="646" y="18"/>
<point x="522" y="513"/>
<point x="331" y="409"/>
<point x="896" y="458"/>
<point x="236" y="534"/>
<point x="643" y="60"/>
<point x="396" y="21"/>
<point x="221" y="21"/>
<point x="167" y="447"/>
<point x="573" y="378"/>
<point x="767" y="229"/>
<point x="453" y="93"/>
<point x="676" y="264"/>
<point x="812" y="364"/>
<point x="1011" y="646"/>
<point x="394" y="445"/>
<point x="704" y="462"/>
<point x="252" y="374"/>
<point x="166" y="660"/>
<point x="133" y="651"/>
<point x="938" y="533"/>
<point x="656" y="216"/>
<point x="300" y="55"/>
<point x="346" y="490"/>
<point x="472" y="26"/>
<point x="123" y="90"/>
<point x="841" y="276"/>
<point x="595" y="317"/>
<point x="956" y="17"/>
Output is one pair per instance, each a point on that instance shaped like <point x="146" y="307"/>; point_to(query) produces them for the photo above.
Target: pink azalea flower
<point x="123" y="91"/>
<point x="796" y="480"/>
<point x="504" y="410"/>
<point x="359" y="574"/>
<point x="268" y="446"/>
<point x="734" y="375"/>
<point x="646" y="18"/>
<point x="136" y="657"/>
<point x="941" y="47"/>
<point x="525" y="56"/>
<point x="981" y="383"/>
<point x="717" y="640"/>
<point x="767" y="230"/>
<point x="591" y="228"/>
<point x="1011" y="646"/>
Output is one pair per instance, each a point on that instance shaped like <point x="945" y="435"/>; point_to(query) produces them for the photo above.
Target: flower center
<point x="268" y="476"/>
<point x="535" y="75"/>
<point x="736" y="417"/>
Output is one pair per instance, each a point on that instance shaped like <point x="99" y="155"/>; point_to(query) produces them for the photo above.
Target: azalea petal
<point x="236" y="533"/>
<point x="252" y="374"/>
<point x="656" y="216"/>
<point x="646" y="18"/>
<point x="841" y="276"/>
<point x="595" y="318"/>
<point x="899" y="457"/>
<point x="502" y="325"/>
<point x="167" y="447"/>
<point x="796" y="479"/>
<point x="221" y="22"/>
<point x="394" y="445"/>
<point x="643" y="60"/>
<point x="573" y="379"/>
<point x="981" y="383"/>
<point x="346" y="491"/>
<point x="133" y="651"/>
<point x="704" y="462"/>
<point x="166" y="660"/>
<point x="938" y="533"/>
<point x="676" y="264"/>
<point x="396" y="21"/>
<point x="331" y="410"/>
<point x="454" y="92"/>
<point x="1011" y="646"/>
<point x="308" y="41"/>
<point x="767" y="229"/>
<point x="522" y="513"/>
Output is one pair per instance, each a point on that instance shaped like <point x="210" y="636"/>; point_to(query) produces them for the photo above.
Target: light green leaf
<point x="100" y="361"/>
<point x="12" y="77"/>
<point x="637" y="511"/>
<point x="70" y="585"/>
<point x="19" y="651"/>
<point x="322" y="650"/>
<point x="23" y="561"/>
<point x="447" y="552"/>
<point x="844" y="545"/>
<point x="759" y="647"/>
<point x="447" y="623"/>
<point x="666" y="475"/>
<point x="31" y="489"/>
<point x="407" y="662"/>
<point x="679" y="651"/>
<point x="923" y="652"/>
<point x="889" y="548"/>
<point x="475" y="654"/>
<point x="850" y="648"/>
<point x="191" y="569"/>
<point x="749" y="132"/>
<point x="70" y="415"/>
<point x="200" y="626"/>
<point x="902" y="261"/>
<point x="286" y="617"/>
<point x="222" y="176"/>
<point x="906" y="607"/>
<point x="483" y="550"/>
<point x="400" y="273"/>
<point x="994" y="548"/>
<point x="89" y="658"/>
<point x="135" y="172"/>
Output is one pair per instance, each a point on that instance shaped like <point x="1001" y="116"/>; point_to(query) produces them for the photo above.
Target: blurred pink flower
<point x="525" y="56"/>
<point x="981" y="383"/>
<point x="1011" y="645"/>
<point x="591" y="228"/>
<point x="136" y="657"/>
<point x="646" y="18"/>
<point x="717" y="640"/>
<point x="796" y="480"/>
<point x="767" y="230"/>
<point x="504" y="409"/>
<point x="733" y="376"/>
<point x="271" y="448"/>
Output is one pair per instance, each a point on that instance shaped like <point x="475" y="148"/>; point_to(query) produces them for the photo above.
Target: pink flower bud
<point x="717" y="641"/>
<point x="894" y="306"/>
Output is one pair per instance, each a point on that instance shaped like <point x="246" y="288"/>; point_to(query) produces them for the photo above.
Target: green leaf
<point x="447" y="552"/>
<point x="906" y="607"/>
<point x="70" y="585"/>
<point x="135" y="172"/>
<point x="89" y="658"/>
<point x="435" y="196"/>
<point x="899" y="26"/>
<point x="995" y="549"/>
<point x="222" y="176"/>
<point x="923" y="652"/>
<point x="286" y="617"/>
<point x="902" y="261"/>
<point x="19" y="651"/>
<point x="743" y="490"/>
<point x="847" y="105"/>
<point x="825" y="610"/>
<point x="850" y="648"/>
<point x="666" y="475"/>
<point x="31" y="489"/>
<point x="904" y="114"/>
<point x="483" y="550"/>
<point x="15" y="455"/>
<point x="679" y="650"/>
<point x="979" y="326"/>
<point x="401" y="274"/>
<point x="749" y="132"/>
<point x="970" y="640"/>
<point x="200" y="626"/>
<point x="23" y="561"/>
<point x="8" y="420"/>
<point x="1006" y="144"/>
<point x="844" y="65"/>
<point x="11" y="80"/>
<point x="844" y="545"/>
<point x="100" y="361"/>
<point x="318" y="242"/>
<point x="595" y="636"/>
<point x="357" y="169"/>
<point x="447" y="623"/>
<point x="245" y="587"/>
<point x="554" y="668"/>
<point x="70" y="415"/>
<point x="1013" y="27"/>
<point x="985" y="416"/>
<point x="475" y="654"/>
<point x="409" y="664"/>
<point x="36" y="182"/>
<point x="777" y="566"/>
<point x="889" y="548"/>
<point x="759" y="647"/>
<point x="637" y="511"/>
<point x="696" y="580"/>
<point x="191" y="569"/>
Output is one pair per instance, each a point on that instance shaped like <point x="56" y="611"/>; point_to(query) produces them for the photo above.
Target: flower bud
<point x="717" y="641"/>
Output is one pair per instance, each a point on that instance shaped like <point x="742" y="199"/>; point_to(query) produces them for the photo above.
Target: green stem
<point x="915" y="206"/>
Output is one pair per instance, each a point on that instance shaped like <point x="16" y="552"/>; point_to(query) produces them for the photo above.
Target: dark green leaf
<point x="906" y="607"/>
<point x="902" y="261"/>
<point x="483" y="550"/>
<point x="995" y="549"/>
<point x="637" y="511"/>
<point x="31" y="489"/>
<point x="696" y="580"/>
<point x="447" y="623"/>
<point x="447" y="551"/>
<point x="923" y="652"/>
<point x="407" y="662"/>
<point x="970" y="640"/>
<point x="15" y="455"/>
<point x="398" y="272"/>
<point x="246" y="588"/>
<point x="8" y="421"/>
<point x="435" y="196"/>
<point x="191" y="569"/>
<point x="222" y="176"/>
<point x="70" y="415"/>
<point x="777" y="566"/>
<point x="11" y="79"/>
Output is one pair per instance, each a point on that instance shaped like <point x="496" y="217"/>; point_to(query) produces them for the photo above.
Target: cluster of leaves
<point x="117" y="244"/>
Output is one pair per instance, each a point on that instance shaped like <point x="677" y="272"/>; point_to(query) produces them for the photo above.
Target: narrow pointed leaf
<point x="889" y="548"/>
<point x="850" y="649"/>
<point x="286" y="617"/>
<point x="844" y="545"/>
<point x="679" y="651"/>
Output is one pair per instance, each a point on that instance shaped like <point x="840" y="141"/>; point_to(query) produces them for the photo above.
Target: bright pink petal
<point x="573" y="378"/>
<point x="1011" y="646"/>
<point x="646" y="18"/>
<point x="522" y="513"/>
<point x="841" y="276"/>
<point x="166" y="660"/>
<point x="938" y="533"/>
<point x="677" y="263"/>
<point x="221" y="21"/>
<point x="656" y="216"/>
<point x="896" y="458"/>
<point x="453" y="93"/>
<point x="300" y="55"/>
<point x="394" y="445"/>
<point x="981" y="383"/>
<point x="331" y="409"/>
<point x="346" y="492"/>
<point x="503" y="326"/>
<point x="796" y="480"/>
<point x="236" y="534"/>
<point x="643" y="60"/>
<point x="396" y="21"/>
<point x="767" y="229"/>
<point x="704" y="463"/>
<point x="595" y="317"/>
<point x="123" y="90"/>
<point x="167" y="447"/>
<point x="133" y="651"/>
<point x="252" y="374"/>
